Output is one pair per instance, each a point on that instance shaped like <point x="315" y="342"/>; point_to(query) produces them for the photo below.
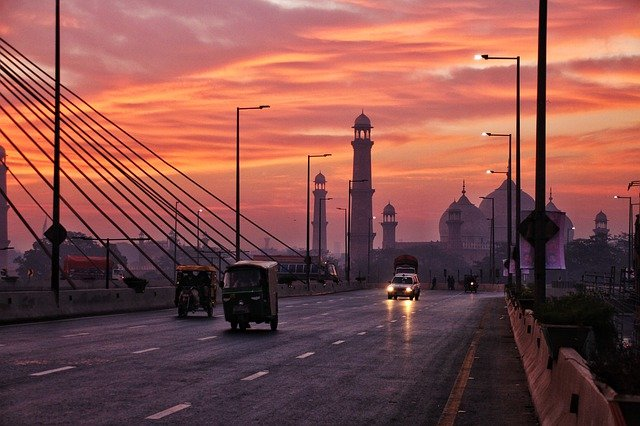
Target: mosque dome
<point x="389" y="210"/>
<point x="362" y="122"/>
<point x="500" y="196"/>
<point x="474" y="228"/>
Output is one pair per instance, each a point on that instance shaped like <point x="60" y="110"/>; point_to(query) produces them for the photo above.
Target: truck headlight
<point x="390" y="289"/>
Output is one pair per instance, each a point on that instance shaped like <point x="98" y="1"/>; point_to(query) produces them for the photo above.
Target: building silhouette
<point x="361" y="235"/>
<point x="389" y="227"/>
<point x="4" y="208"/>
<point x="601" y="231"/>
<point x="319" y="211"/>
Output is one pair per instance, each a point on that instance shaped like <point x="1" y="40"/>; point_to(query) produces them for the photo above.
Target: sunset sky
<point x="173" y="72"/>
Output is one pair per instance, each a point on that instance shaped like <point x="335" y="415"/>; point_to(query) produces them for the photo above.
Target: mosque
<point x="464" y="227"/>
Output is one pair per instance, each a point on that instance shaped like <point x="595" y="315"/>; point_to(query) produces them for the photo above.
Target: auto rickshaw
<point x="249" y="293"/>
<point x="196" y="288"/>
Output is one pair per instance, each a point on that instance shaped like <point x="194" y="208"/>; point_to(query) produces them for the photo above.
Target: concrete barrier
<point x="39" y="305"/>
<point x="21" y="306"/>
<point x="563" y="390"/>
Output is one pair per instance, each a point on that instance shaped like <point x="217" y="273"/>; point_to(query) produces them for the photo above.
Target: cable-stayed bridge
<point x="115" y="186"/>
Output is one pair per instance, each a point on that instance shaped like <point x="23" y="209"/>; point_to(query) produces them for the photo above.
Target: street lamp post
<point x="307" y="259"/>
<point x="238" y="109"/>
<point x="198" y="236"/>
<point x="492" y="252"/>
<point x="509" y="207"/>
<point x="320" y="229"/>
<point x="630" y="234"/>
<point x="345" y="235"/>
<point x="518" y="180"/>
<point x="348" y="251"/>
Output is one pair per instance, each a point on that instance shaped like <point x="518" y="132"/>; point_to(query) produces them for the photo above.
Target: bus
<point x="293" y="268"/>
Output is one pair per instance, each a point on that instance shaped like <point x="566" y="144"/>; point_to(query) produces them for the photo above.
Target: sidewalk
<point x="497" y="392"/>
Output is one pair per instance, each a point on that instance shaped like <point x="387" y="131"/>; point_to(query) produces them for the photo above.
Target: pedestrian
<point x="433" y="283"/>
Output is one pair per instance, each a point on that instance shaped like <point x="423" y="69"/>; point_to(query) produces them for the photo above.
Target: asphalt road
<point x="350" y="358"/>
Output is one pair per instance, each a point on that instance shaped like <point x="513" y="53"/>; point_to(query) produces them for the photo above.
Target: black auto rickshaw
<point x="471" y="283"/>
<point x="249" y="293"/>
<point x="196" y="288"/>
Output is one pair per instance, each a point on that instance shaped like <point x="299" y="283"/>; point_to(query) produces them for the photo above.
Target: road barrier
<point x="563" y="390"/>
<point x="21" y="306"/>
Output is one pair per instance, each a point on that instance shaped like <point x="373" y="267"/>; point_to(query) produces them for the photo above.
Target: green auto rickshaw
<point x="250" y="293"/>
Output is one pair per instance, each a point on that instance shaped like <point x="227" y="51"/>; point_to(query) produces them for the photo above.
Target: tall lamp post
<point x="509" y="206"/>
<point x="518" y="181"/>
<point x="345" y="235"/>
<point x="492" y="252"/>
<point x="238" y="109"/>
<point x="630" y="234"/>
<point x="320" y="229"/>
<point x="348" y="251"/>
<point x="198" y="236"/>
<point x="307" y="259"/>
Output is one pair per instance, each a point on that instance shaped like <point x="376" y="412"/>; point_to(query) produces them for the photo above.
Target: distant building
<point x="389" y="227"/>
<point x="320" y="214"/>
<point x="361" y="235"/>
<point x="601" y="231"/>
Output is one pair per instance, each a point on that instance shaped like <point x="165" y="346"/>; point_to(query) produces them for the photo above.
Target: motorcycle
<point x="190" y="300"/>
<point x="470" y="283"/>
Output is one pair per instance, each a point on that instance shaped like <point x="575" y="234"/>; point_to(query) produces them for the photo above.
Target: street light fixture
<point x="509" y="206"/>
<point x="348" y="251"/>
<point x="307" y="259"/>
<point x="320" y="229"/>
<point x="492" y="252"/>
<point x="630" y="234"/>
<point x="518" y="180"/>
<point x="238" y="109"/>
<point x="345" y="234"/>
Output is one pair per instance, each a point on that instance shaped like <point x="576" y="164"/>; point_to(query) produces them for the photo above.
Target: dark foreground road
<point x="352" y="358"/>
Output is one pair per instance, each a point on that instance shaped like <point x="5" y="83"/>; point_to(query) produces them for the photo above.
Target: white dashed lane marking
<point x="145" y="350"/>
<point x="76" y="335"/>
<point x="136" y="326"/>
<point x="207" y="338"/>
<point x="305" y="355"/>
<point x="255" y="375"/>
<point x="169" y="411"/>
<point x="55" y="370"/>
<point x="338" y="342"/>
<point x="362" y="333"/>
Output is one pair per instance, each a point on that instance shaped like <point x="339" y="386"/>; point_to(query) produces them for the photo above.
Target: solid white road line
<point x="145" y="350"/>
<point x="207" y="338"/>
<point x="255" y="376"/>
<point x="76" y="335"/>
<point x="55" y="370"/>
<point x="169" y="411"/>
<point x="305" y="355"/>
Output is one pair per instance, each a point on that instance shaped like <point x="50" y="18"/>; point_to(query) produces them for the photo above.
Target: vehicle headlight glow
<point x="408" y="290"/>
<point x="390" y="289"/>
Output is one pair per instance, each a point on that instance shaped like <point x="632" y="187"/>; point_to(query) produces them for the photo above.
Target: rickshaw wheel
<point x="274" y="324"/>
<point x="234" y="325"/>
<point x="182" y="311"/>
<point x="243" y="326"/>
<point x="209" y="311"/>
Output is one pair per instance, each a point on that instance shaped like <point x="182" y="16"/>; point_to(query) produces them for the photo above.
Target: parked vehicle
<point x="404" y="285"/>
<point x="405" y="264"/>
<point x="196" y="288"/>
<point x="471" y="283"/>
<point x="249" y="293"/>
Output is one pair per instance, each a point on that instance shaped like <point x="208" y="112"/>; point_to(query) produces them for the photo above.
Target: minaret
<point x="4" y="208"/>
<point x="319" y="211"/>
<point x="601" y="232"/>
<point x="362" y="235"/>
<point x="389" y="227"/>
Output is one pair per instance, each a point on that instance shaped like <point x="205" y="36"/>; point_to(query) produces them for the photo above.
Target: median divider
<point x="563" y="389"/>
